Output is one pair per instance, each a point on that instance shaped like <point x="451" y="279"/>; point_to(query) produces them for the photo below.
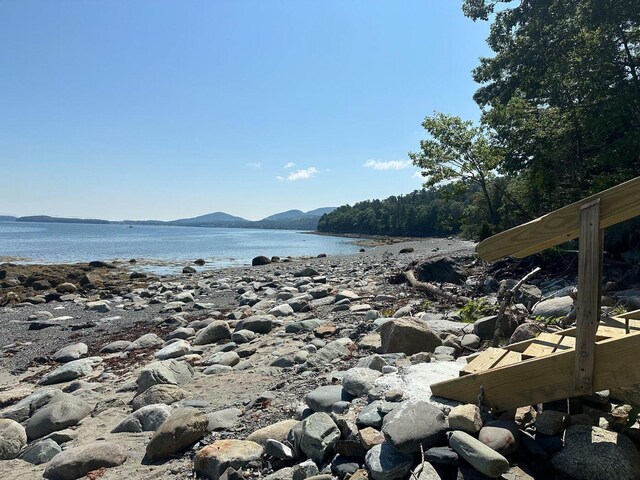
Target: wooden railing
<point x="585" y="220"/>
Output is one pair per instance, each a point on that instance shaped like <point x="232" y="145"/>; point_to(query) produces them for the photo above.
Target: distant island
<point x="289" y="220"/>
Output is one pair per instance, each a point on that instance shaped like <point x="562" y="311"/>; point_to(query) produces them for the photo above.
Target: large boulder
<point x="174" y="349"/>
<point x="413" y="424"/>
<point x="40" y="452"/>
<point x="164" y="371"/>
<point x="26" y="407"/>
<point x="149" y="340"/>
<point x="591" y="453"/>
<point x="258" y="323"/>
<point x="216" y="330"/>
<point x="77" y="462"/>
<point x="322" y="398"/>
<point x="184" y="427"/>
<point x="558" y="307"/>
<point x="71" y="352"/>
<point x="439" y="270"/>
<point x="319" y="437"/>
<point x="212" y="460"/>
<point x="386" y="463"/>
<point x="277" y="431"/>
<point x="66" y="411"/>
<point x="70" y="371"/>
<point x="145" y="419"/>
<point x="408" y="336"/>
<point x="160" y="393"/>
<point x="13" y="438"/>
<point x="358" y="381"/>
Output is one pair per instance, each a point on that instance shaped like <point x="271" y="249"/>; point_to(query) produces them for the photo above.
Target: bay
<point x="159" y="249"/>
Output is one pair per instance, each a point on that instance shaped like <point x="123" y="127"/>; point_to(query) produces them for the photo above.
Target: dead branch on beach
<point x="432" y="289"/>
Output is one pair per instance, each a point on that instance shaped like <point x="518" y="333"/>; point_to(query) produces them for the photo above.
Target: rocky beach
<point x="298" y="368"/>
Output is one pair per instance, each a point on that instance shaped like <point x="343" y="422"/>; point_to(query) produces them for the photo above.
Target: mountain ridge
<point x="290" y="219"/>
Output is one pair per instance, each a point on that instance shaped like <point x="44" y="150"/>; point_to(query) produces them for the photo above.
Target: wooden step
<point x="543" y="344"/>
<point x="546" y="378"/>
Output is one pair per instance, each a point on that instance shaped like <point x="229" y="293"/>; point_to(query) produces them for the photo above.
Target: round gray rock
<point x="408" y="336"/>
<point x="322" y="398"/>
<point x="591" y="453"/>
<point x="412" y="424"/>
<point x="216" y="330"/>
<point x="386" y="463"/>
<point x="481" y="457"/>
<point x="71" y="352"/>
<point x="145" y="419"/>
<point x="319" y="437"/>
<point x="150" y="340"/>
<point x="40" y="452"/>
<point x="161" y="393"/>
<point x="173" y="350"/>
<point x="164" y="371"/>
<point x="214" y="459"/>
<point x="13" y="438"/>
<point x="228" y="359"/>
<point x="77" y="462"/>
<point x="358" y="381"/>
<point x="184" y="427"/>
<point x="65" y="412"/>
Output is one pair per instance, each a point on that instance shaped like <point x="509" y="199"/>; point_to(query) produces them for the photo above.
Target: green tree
<point x="460" y="152"/>
<point x="562" y="93"/>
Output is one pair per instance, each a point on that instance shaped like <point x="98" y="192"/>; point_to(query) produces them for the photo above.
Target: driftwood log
<point x="432" y="289"/>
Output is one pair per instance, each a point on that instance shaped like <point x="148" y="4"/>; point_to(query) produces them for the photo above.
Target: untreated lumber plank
<point x="544" y="344"/>
<point x="566" y="343"/>
<point x="588" y="301"/>
<point x="509" y="359"/>
<point x="484" y="361"/>
<point x="548" y="378"/>
<point x="619" y="203"/>
<point x="633" y="315"/>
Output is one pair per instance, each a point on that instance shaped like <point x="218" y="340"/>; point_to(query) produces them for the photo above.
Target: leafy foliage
<point x="562" y="94"/>
<point x="560" y="104"/>
<point x="475" y="309"/>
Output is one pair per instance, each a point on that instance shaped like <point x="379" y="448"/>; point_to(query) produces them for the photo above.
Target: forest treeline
<point x="560" y="103"/>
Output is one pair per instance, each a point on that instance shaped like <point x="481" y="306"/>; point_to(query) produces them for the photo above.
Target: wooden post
<point x="588" y="302"/>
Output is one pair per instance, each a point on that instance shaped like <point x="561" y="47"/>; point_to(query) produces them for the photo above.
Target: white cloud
<point x="388" y="165"/>
<point x="417" y="175"/>
<point x="254" y="164"/>
<point x="303" y="174"/>
<point x="280" y="178"/>
<point x="289" y="165"/>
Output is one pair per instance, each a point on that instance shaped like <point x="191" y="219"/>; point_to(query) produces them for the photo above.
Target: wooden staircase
<point x="595" y="355"/>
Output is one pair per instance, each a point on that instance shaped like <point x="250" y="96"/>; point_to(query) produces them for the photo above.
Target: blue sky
<point x="167" y="109"/>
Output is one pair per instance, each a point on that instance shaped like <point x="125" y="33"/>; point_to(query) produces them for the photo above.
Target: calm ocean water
<point x="163" y="249"/>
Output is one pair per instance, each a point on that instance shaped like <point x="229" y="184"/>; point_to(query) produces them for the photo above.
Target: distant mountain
<point x="321" y="211"/>
<point x="208" y="219"/>
<point x="48" y="219"/>
<point x="298" y="214"/>
<point x="289" y="220"/>
<point x="289" y="214"/>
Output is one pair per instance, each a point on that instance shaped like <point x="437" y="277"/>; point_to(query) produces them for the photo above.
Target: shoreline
<point x="146" y="265"/>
